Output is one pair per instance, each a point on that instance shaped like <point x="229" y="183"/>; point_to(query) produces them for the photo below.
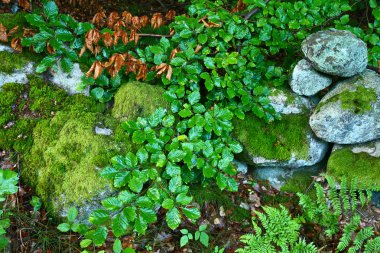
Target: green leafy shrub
<point x="59" y="36"/>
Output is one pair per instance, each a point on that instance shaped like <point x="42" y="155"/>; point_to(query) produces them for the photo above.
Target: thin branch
<point x="154" y="35"/>
<point x="253" y="12"/>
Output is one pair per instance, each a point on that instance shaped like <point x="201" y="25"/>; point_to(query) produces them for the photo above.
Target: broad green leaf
<point x="46" y="63"/>
<point x="98" y="217"/>
<point x="130" y="160"/>
<point x="112" y="203"/>
<point x="119" y="225"/>
<point x="183" y="199"/>
<point x="85" y="243"/>
<point x="100" y="236"/>
<point x="194" y="97"/>
<point x="176" y="155"/>
<point x="130" y="213"/>
<point x="142" y="155"/>
<point x="192" y="213"/>
<point x="149" y="215"/>
<point x="173" y="218"/>
<point x="126" y="197"/>
<point x="175" y="183"/>
<point x="168" y="204"/>
<point x="35" y="20"/>
<point x="72" y="214"/>
<point x="63" y="227"/>
<point x="184" y="240"/>
<point x="51" y="9"/>
<point x="117" y="247"/>
<point x="154" y="194"/>
<point x="67" y="65"/>
<point x="64" y="35"/>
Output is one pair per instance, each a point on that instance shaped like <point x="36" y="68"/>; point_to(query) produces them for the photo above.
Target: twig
<point x="154" y="35"/>
<point x="253" y="12"/>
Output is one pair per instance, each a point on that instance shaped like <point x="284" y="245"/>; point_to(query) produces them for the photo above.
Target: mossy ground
<point x="301" y="181"/>
<point x="358" y="166"/>
<point x="277" y="140"/>
<point x="136" y="99"/>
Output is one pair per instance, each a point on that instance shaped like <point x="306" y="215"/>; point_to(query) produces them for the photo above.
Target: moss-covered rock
<point x="12" y="61"/>
<point x="64" y="160"/>
<point x="288" y="142"/>
<point x="23" y="105"/>
<point x="136" y="99"/>
<point x="359" y="162"/>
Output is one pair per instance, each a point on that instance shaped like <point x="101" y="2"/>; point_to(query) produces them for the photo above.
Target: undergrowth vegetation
<point x="215" y="65"/>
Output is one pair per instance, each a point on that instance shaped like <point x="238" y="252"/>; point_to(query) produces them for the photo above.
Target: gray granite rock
<point x="336" y="52"/>
<point x="350" y="112"/>
<point x="19" y="76"/>
<point x="68" y="81"/>
<point x="307" y="81"/>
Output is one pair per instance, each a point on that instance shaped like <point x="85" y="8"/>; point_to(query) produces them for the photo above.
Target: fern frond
<point x="333" y="195"/>
<point x="344" y="194"/>
<point x="372" y="246"/>
<point x="348" y="232"/>
<point x="353" y="195"/>
<point x="361" y="236"/>
<point x="302" y="247"/>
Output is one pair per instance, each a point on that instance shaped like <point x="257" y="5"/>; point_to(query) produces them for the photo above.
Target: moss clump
<point x="23" y="105"/>
<point x="10" y="62"/>
<point x="359" y="166"/>
<point x="63" y="161"/>
<point x="278" y="140"/>
<point x="136" y="99"/>
<point x="358" y="101"/>
<point x="299" y="182"/>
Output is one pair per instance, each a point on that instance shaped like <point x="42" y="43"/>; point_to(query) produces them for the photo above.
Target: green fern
<point x="372" y="245"/>
<point x="280" y="232"/>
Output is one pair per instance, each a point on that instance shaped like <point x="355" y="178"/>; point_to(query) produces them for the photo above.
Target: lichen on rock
<point x="136" y="99"/>
<point x="350" y="112"/>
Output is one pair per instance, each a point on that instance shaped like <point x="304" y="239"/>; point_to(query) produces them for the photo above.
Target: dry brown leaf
<point x="99" y="19"/>
<point x="50" y="49"/>
<point x="134" y="36"/>
<point x="16" y="44"/>
<point x="6" y="1"/>
<point x="24" y="4"/>
<point x="197" y="48"/>
<point x="13" y="31"/>
<point x="144" y="20"/>
<point x="170" y="15"/>
<point x="112" y="19"/>
<point x="173" y="53"/>
<point x="209" y="24"/>
<point x="107" y="39"/>
<point x="240" y="6"/>
<point x="169" y="73"/>
<point x="82" y="51"/>
<point x="127" y="17"/>
<point x="120" y="34"/>
<point x="96" y="69"/>
<point x="28" y="32"/>
<point x="92" y="38"/>
<point x="3" y="33"/>
<point x="142" y="73"/>
<point x="156" y="21"/>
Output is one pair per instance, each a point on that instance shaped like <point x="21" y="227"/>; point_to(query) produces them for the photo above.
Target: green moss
<point x="10" y="62"/>
<point x="277" y="140"/>
<point x="62" y="164"/>
<point x="136" y="99"/>
<point x="358" y="101"/>
<point x="214" y="195"/>
<point x="23" y="105"/>
<point x="299" y="182"/>
<point x="359" y="166"/>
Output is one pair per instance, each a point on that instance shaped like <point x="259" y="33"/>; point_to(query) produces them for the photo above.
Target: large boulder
<point x="360" y="162"/>
<point x="336" y="52"/>
<point x="287" y="143"/>
<point x="64" y="162"/>
<point x="350" y="112"/>
<point x="307" y="81"/>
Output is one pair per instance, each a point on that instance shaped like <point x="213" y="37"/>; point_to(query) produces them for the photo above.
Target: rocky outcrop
<point x="307" y="81"/>
<point x="350" y="112"/>
<point x="336" y="52"/>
